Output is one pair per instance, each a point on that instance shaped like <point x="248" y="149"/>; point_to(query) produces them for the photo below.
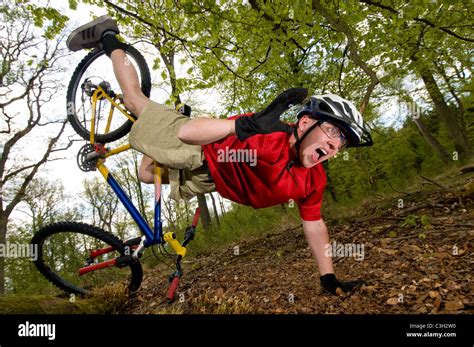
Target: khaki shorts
<point x="155" y="134"/>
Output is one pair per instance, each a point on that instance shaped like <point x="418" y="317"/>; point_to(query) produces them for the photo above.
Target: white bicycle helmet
<point x="340" y="112"/>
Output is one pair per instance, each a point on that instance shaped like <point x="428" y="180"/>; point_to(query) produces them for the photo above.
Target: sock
<point x="111" y="42"/>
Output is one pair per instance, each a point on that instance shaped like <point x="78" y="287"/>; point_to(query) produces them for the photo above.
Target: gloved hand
<point x="330" y="283"/>
<point x="268" y="120"/>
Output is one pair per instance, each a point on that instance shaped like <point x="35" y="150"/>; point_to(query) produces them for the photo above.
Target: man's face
<point x="317" y="146"/>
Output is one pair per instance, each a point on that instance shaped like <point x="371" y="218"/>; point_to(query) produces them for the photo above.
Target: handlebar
<point x="172" y="290"/>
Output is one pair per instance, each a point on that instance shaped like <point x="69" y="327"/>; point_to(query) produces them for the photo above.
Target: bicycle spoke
<point x="67" y="252"/>
<point x="97" y="74"/>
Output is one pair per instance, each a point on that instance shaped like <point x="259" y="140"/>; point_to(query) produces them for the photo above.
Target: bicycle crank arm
<point x="137" y="253"/>
<point x="132" y="244"/>
<point x="121" y="261"/>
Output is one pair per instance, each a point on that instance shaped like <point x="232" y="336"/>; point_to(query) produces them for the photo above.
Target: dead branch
<point x="434" y="182"/>
<point x="418" y="207"/>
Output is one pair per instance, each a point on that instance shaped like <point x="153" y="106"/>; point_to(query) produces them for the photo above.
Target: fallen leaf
<point x="421" y="298"/>
<point x="355" y="298"/>
<point x="385" y="241"/>
<point x="387" y="251"/>
<point x="303" y="310"/>
<point x="459" y="253"/>
<point x="421" y="309"/>
<point x="368" y="289"/>
<point x="453" y="305"/>
<point x="453" y="286"/>
<point x="393" y="301"/>
<point x="220" y="292"/>
<point x="437" y="302"/>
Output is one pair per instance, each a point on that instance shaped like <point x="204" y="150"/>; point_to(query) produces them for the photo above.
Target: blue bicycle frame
<point x="154" y="236"/>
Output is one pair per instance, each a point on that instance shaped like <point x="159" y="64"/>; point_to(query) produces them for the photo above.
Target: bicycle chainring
<point x="85" y="164"/>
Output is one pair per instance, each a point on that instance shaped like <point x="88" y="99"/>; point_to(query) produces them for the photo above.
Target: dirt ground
<point x="417" y="258"/>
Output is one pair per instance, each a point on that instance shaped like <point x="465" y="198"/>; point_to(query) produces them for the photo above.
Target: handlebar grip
<point x="172" y="290"/>
<point x="171" y="239"/>
<point x="196" y="217"/>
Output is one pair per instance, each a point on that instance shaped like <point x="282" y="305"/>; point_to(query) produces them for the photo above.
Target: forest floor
<point x="416" y="258"/>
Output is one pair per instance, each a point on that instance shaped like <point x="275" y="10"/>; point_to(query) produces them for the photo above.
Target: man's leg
<point x="146" y="171"/>
<point x="133" y="98"/>
<point x="101" y="33"/>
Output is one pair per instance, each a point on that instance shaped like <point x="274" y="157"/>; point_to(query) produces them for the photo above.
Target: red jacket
<point x="254" y="172"/>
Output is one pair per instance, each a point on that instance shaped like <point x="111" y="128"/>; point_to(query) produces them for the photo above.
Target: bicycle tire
<point x="47" y="232"/>
<point x="73" y="118"/>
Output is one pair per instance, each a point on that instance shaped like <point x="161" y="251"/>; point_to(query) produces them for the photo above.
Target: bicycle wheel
<point x="94" y="70"/>
<point x="67" y="252"/>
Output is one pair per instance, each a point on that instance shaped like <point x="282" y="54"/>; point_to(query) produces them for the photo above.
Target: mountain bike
<point x="77" y="257"/>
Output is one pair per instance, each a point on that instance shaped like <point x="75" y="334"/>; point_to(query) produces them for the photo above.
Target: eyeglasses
<point x="333" y="132"/>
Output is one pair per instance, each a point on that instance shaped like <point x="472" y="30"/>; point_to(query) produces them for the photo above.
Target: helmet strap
<point x="300" y="140"/>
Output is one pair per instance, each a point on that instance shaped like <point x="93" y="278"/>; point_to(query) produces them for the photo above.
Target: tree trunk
<point x="432" y="141"/>
<point x="205" y="217"/>
<point x="216" y="215"/>
<point x="221" y="203"/>
<point x="445" y="113"/>
<point x="3" y="238"/>
<point x="460" y="113"/>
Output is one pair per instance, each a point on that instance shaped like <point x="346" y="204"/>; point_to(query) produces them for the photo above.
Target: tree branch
<point x="144" y="21"/>
<point x="21" y="191"/>
<point x="342" y="26"/>
<point x="426" y="21"/>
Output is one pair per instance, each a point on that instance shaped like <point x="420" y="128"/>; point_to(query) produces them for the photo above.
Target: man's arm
<point x="202" y="131"/>
<point x="317" y="236"/>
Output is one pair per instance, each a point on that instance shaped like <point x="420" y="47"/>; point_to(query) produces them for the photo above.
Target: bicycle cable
<point x="161" y="260"/>
<point x="166" y="254"/>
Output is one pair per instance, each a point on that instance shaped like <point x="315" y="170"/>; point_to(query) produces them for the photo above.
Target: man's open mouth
<point x="321" y="152"/>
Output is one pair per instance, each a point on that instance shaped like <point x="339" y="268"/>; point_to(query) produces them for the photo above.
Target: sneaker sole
<point x="75" y="42"/>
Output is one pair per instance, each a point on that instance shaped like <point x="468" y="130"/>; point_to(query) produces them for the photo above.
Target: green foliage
<point x="51" y="20"/>
<point x="392" y="234"/>
<point x="241" y="223"/>
<point x="414" y="221"/>
<point x="395" y="160"/>
<point x="108" y="301"/>
<point x="411" y="221"/>
<point x="251" y="51"/>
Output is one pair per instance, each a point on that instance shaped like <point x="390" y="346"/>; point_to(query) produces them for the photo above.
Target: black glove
<point x="268" y="120"/>
<point x="330" y="283"/>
